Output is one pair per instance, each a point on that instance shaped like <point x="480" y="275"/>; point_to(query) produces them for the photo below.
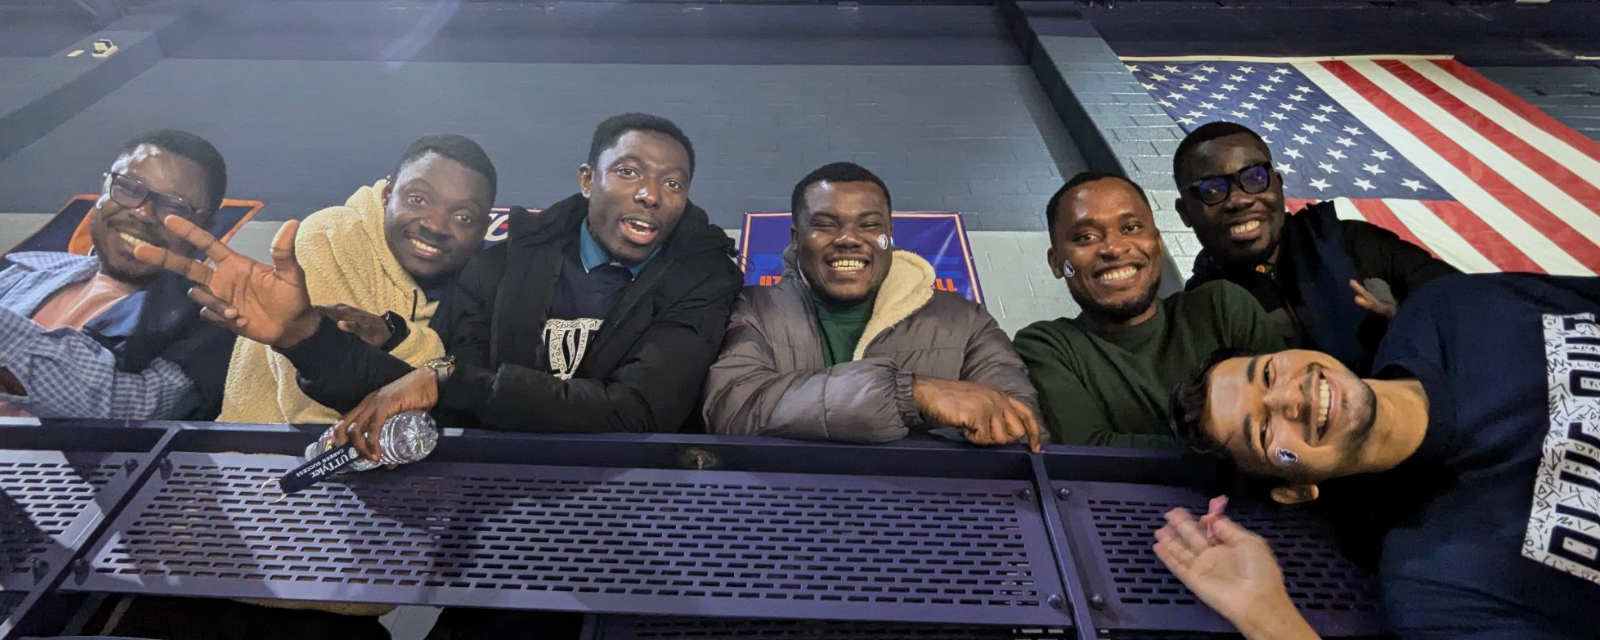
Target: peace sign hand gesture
<point x="267" y="304"/>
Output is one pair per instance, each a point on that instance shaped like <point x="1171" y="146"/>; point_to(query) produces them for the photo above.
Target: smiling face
<point x="435" y="213"/>
<point x="836" y="240"/>
<point x="1107" y="233"/>
<point x="637" y="193"/>
<point x="117" y="229"/>
<point x="1244" y="228"/>
<point x="1304" y="403"/>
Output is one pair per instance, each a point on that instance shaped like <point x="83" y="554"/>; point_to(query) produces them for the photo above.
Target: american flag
<point x="1424" y="147"/>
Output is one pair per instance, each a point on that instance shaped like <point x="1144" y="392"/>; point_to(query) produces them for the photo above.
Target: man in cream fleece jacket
<point x="378" y="265"/>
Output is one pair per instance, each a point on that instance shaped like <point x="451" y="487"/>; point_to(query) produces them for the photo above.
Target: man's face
<point x="435" y="213"/>
<point x="1304" y="403"/>
<point x="1106" y="232"/>
<point x="836" y="240"/>
<point x="116" y="229"/>
<point x="637" y="192"/>
<point x="1244" y="228"/>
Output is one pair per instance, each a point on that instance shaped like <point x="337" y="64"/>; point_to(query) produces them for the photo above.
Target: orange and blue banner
<point x="939" y="237"/>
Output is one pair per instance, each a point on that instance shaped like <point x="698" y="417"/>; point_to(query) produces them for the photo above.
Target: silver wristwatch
<point x="442" y="368"/>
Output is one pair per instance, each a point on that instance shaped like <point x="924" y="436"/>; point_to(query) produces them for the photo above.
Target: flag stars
<point x="1327" y="108"/>
<point x="1158" y="77"/>
<point x="1381" y="155"/>
<point x="1257" y="97"/>
<point x="1328" y="167"/>
<point x="1248" y="106"/>
<point x="1171" y="69"/>
<point x="1236" y="78"/>
<point x="1365" y="186"/>
<point x="1303" y="89"/>
<point x="1319" y="117"/>
<point x="1219" y="96"/>
<point x="1269" y="126"/>
<point x="1134" y="68"/>
<point x="1239" y="114"/>
<point x="1196" y="114"/>
<point x="1372" y="169"/>
<point x="1297" y="97"/>
<point x="1207" y="105"/>
<point x="1302" y="139"/>
<point x="1413" y="185"/>
<point x="1188" y="87"/>
<point x="1247" y="69"/>
<point x="1283" y="167"/>
<point x="1309" y="128"/>
<point x="1188" y="121"/>
<point x="1355" y="131"/>
<point x="1230" y="87"/>
<point x="1208" y="68"/>
<point x="1344" y="142"/>
<point x="1288" y="107"/>
<point x="1279" y="116"/>
<point x="1148" y="86"/>
<point x="1275" y="79"/>
<point x="1164" y="103"/>
<point x="1268" y="88"/>
<point x="1201" y="78"/>
<point x="1175" y="95"/>
<point x="1293" y="153"/>
<point x="1320" y="184"/>
<point x="1336" y="154"/>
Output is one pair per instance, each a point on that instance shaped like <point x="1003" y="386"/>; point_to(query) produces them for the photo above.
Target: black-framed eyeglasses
<point x="129" y="192"/>
<point x="1215" y="190"/>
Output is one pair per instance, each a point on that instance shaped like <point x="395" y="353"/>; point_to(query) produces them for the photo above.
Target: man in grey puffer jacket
<point x="853" y="344"/>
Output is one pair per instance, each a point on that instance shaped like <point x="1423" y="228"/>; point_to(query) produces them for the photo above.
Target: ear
<point x="1183" y="212"/>
<point x="1055" y="265"/>
<point x="794" y="234"/>
<point x="585" y="179"/>
<point x="1294" y="493"/>
<point x="388" y="188"/>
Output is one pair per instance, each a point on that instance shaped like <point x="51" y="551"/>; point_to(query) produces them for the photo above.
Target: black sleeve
<point x="338" y="370"/>
<point x="654" y="389"/>
<point x="1382" y="254"/>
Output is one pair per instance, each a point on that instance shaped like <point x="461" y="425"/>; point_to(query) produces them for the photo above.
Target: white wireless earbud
<point x="1286" y="457"/>
<point x="1067" y="270"/>
<point x="884" y="241"/>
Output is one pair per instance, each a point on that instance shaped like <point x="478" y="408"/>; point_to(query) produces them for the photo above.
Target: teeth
<point x="1244" y="228"/>
<point x="1119" y="274"/>
<point x="133" y="243"/>
<point x="847" y="265"/>
<point x="425" y="247"/>
<point x="1323" y="398"/>
<point x="639" y="228"/>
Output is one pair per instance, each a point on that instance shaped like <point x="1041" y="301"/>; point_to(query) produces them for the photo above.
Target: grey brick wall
<point x="1568" y="94"/>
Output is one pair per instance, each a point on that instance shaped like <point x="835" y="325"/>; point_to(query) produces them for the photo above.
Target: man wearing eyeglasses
<point x="1327" y="284"/>
<point x="107" y="336"/>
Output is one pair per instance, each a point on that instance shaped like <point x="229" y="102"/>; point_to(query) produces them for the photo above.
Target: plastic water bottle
<point x="407" y="437"/>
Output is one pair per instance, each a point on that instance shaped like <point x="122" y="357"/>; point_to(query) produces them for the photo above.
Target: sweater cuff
<point x="906" y="399"/>
<point x="468" y="389"/>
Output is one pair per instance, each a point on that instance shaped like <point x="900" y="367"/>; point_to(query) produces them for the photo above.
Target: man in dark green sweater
<point x="1104" y="376"/>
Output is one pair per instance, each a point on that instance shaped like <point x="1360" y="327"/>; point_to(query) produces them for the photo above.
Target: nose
<point x="435" y="224"/>
<point x="1112" y="247"/>
<point x="1238" y="200"/>
<point x="1285" y="399"/>
<point x="646" y="195"/>
<point x="845" y="239"/>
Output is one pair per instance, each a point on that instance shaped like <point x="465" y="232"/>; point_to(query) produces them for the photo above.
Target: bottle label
<point x="317" y="468"/>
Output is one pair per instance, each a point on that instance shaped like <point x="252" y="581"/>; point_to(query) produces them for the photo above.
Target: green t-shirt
<point x="842" y="326"/>
<point x="1111" y="388"/>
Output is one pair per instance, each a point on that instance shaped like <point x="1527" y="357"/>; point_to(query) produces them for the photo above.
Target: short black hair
<point x="835" y="172"/>
<point x="455" y="147"/>
<point x="195" y="148"/>
<point x="1077" y="181"/>
<point x="607" y="134"/>
<point x="1203" y="134"/>
<point x="1186" y="407"/>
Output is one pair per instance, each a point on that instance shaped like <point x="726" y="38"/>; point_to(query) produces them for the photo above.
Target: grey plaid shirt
<point x="66" y="373"/>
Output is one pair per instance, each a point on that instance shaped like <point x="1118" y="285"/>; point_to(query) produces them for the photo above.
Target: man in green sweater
<point x="1104" y="376"/>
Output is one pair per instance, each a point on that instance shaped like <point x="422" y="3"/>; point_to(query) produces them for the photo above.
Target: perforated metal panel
<point x="47" y="499"/>
<point x="1115" y="526"/>
<point x="709" y="543"/>
<point x="638" y="628"/>
<point x="9" y="601"/>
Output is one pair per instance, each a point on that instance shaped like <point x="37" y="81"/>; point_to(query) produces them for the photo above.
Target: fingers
<point x="205" y="242"/>
<point x="218" y="308"/>
<point x="1188" y="530"/>
<point x="170" y="261"/>
<point x="375" y="433"/>
<point x="1030" y="425"/>
<point x="283" y="259"/>
<point x="1175" y="556"/>
<point x="1228" y="532"/>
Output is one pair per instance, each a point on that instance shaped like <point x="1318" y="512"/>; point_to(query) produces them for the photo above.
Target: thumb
<point x="283" y="257"/>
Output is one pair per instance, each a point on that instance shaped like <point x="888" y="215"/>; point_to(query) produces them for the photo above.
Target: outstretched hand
<point x="1372" y="303"/>
<point x="1233" y="571"/>
<point x="267" y="304"/>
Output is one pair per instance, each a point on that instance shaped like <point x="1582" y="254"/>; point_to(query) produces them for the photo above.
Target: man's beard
<point x="1118" y="313"/>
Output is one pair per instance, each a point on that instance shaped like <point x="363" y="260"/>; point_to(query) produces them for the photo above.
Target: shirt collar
<point x="593" y="255"/>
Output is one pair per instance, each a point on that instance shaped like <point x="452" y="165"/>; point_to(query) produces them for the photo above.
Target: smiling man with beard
<point x="1103" y="377"/>
<point x="107" y="336"/>
<point x="1476" y="443"/>
<point x="1327" y="284"/>
<point x="855" y="345"/>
